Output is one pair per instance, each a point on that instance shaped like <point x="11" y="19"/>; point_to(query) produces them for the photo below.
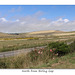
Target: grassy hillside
<point x="45" y="32"/>
<point x="37" y="34"/>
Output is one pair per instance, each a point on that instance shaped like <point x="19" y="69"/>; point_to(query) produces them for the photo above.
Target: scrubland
<point x="59" y="51"/>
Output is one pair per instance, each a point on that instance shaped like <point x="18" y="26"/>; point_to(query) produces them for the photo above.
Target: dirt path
<point x="16" y="52"/>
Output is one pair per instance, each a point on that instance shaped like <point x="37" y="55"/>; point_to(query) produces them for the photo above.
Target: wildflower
<point x="53" y="58"/>
<point x="51" y="50"/>
<point x="40" y="48"/>
<point x="38" y="52"/>
<point x="56" y="54"/>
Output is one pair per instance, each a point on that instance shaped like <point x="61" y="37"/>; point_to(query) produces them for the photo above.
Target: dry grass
<point x="22" y="41"/>
<point x="22" y="61"/>
<point x="40" y="32"/>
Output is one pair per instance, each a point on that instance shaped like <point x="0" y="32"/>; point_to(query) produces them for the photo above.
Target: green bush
<point x="72" y="46"/>
<point x="60" y="48"/>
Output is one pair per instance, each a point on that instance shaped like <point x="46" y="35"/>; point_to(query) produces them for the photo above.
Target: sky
<point x="29" y="18"/>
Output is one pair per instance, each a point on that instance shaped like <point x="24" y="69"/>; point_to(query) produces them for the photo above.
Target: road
<point x="16" y="52"/>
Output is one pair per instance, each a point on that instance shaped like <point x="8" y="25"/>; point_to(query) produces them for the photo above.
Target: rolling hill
<point x="37" y="34"/>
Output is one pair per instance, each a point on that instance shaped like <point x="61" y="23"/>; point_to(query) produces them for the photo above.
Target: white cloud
<point x="33" y="23"/>
<point x="66" y="20"/>
<point x="17" y="20"/>
<point x="23" y="23"/>
<point x="43" y="18"/>
<point x="3" y="19"/>
<point x="60" y="19"/>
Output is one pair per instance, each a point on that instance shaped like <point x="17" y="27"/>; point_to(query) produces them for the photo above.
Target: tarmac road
<point x="16" y="52"/>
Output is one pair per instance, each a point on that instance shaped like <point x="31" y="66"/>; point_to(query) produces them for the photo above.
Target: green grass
<point x="20" y="62"/>
<point x="10" y="45"/>
<point x="34" y="59"/>
<point x="20" y="43"/>
<point x="64" y="62"/>
<point x="23" y="60"/>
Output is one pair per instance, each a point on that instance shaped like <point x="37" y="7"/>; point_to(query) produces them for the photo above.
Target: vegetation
<point x="48" y="57"/>
<point x="15" y="41"/>
<point x="60" y="47"/>
<point x="59" y="53"/>
<point x="72" y="47"/>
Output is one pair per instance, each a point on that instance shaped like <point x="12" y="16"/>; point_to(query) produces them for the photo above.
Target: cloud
<point x="3" y="19"/>
<point x="66" y="20"/>
<point x="34" y="23"/>
<point x="43" y="18"/>
<point x="17" y="20"/>
<point x="60" y="19"/>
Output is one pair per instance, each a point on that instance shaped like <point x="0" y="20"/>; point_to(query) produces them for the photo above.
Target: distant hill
<point x="36" y="34"/>
<point x="45" y="32"/>
<point x="3" y="34"/>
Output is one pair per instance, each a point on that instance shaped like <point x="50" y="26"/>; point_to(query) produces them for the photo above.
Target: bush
<point x="72" y="46"/>
<point x="42" y="54"/>
<point x="33" y="55"/>
<point x="60" y="48"/>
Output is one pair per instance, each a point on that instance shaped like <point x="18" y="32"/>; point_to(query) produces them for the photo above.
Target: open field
<point x="44" y="60"/>
<point x="20" y="41"/>
<point x="15" y="41"/>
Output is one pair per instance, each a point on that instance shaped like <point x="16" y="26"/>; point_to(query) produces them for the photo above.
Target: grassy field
<point x="10" y="42"/>
<point x="9" y="45"/>
<point x="17" y="41"/>
<point x="44" y="61"/>
<point x="64" y="62"/>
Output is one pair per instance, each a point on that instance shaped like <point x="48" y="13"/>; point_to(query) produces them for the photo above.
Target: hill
<point x="45" y="32"/>
<point x="37" y="34"/>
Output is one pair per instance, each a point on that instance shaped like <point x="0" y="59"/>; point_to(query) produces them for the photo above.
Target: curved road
<point x="16" y="52"/>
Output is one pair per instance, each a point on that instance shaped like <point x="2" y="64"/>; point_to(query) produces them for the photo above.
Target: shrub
<point x="33" y="55"/>
<point x="42" y="54"/>
<point x="60" y="48"/>
<point x="72" y="46"/>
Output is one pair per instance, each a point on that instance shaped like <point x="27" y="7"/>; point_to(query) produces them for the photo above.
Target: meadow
<point x="20" y="42"/>
<point x="62" y="57"/>
<point x="56" y="55"/>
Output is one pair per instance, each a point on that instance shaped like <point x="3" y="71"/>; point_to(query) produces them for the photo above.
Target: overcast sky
<point x="28" y="18"/>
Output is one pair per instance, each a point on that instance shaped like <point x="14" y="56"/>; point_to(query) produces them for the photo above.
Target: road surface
<point x="16" y="52"/>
